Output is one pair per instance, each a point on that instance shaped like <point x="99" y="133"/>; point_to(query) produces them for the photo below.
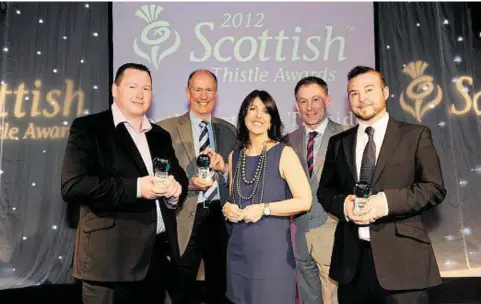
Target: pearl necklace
<point x="260" y="174"/>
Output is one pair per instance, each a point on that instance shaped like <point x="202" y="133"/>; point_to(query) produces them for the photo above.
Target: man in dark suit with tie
<point x="202" y="228"/>
<point x="314" y="230"/>
<point x="382" y="253"/>
<point x="126" y="247"/>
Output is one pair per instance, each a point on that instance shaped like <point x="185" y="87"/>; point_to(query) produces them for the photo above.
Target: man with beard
<point x="382" y="253"/>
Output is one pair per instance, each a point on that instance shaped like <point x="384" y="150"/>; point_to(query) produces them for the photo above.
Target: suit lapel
<point x="126" y="143"/>
<point x="217" y="134"/>
<point x="391" y="140"/>
<point x="321" y="154"/>
<point x="184" y="128"/>
<point x="349" y="144"/>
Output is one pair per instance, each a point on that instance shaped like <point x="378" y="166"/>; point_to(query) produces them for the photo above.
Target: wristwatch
<point x="267" y="210"/>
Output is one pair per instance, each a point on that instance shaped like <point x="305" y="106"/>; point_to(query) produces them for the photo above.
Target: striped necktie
<point x="204" y="143"/>
<point x="310" y="152"/>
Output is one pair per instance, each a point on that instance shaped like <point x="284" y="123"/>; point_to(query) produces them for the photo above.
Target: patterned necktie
<point x="204" y="136"/>
<point x="368" y="163"/>
<point x="204" y="143"/>
<point x="310" y="152"/>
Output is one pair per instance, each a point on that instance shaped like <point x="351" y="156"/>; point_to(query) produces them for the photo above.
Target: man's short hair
<point x="201" y="70"/>
<point x="360" y="69"/>
<point x="130" y="65"/>
<point x="311" y="80"/>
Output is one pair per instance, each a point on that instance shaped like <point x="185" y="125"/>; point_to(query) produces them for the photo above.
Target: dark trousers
<point x="162" y="276"/>
<point x="208" y="241"/>
<point x="365" y="288"/>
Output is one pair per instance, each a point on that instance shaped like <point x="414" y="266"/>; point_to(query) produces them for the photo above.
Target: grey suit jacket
<point x="180" y="129"/>
<point x="317" y="216"/>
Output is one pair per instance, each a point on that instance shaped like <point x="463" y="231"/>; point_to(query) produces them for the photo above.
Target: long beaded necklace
<point x="259" y="175"/>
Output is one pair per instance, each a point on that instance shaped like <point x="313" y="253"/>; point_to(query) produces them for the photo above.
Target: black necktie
<point x="368" y="163"/>
<point x="310" y="152"/>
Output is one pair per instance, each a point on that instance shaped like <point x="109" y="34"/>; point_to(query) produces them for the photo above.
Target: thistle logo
<point x="418" y="91"/>
<point x="155" y="35"/>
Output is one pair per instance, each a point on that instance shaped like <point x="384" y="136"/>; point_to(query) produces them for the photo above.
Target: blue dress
<point x="260" y="261"/>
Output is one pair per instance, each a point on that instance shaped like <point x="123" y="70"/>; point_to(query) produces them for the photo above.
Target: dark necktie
<point x="368" y="163"/>
<point x="204" y="141"/>
<point x="310" y="152"/>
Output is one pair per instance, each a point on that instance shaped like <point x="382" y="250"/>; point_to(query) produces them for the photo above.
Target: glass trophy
<point x="161" y="169"/>
<point x="203" y="167"/>
<point x="362" y="190"/>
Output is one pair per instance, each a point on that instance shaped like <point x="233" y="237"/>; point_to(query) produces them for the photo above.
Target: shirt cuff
<point x="139" y="195"/>
<point x="386" y="205"/>
<point x="171" y="202"/>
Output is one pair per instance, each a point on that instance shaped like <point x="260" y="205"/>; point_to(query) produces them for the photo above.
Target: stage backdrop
<point x="431" y="57"/>
<point x="249" y="46"/>
<point x="54" y="67"/>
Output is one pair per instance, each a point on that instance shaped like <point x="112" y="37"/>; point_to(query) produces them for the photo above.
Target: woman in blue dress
<point x="267" y="185"/>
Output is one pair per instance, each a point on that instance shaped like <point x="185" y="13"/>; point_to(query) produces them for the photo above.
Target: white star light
<point x="34" y="184"/>
<point x="458" y="59"/>
<point x="87" y="5"/>
<point x="460" y="39"/>
<point x="388" y="47"/>
<point x="14" y="208"/>
<point x="44" y="151"/>
<point x="463" y="182"/>
<point x="1" y="172"/>
<point x="442" y="124"/>
<point x="27" y="98"/>
<point x="64" y="37"/>
<point x="65" y="123"/>
<point x="95" y="34"/>
<point x="86" y="112"/>
<point x="95" y="87"/>
<point x="39" y="53"/>
<point x="55" y="70"/>
<point x="24" y="238"/>
<point x="54" y="227"/>
<point x="5" y="49"/>
<point x="418" y="25"/>
<point x="446" y="21"/>
<point x="82" y="60"/>
<point x="40" y="20"/>
<point x="18" y="12"/>
<point x="60" y="257"/>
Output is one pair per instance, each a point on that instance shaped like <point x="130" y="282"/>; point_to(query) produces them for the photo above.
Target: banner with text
<point x="268" y="46"/>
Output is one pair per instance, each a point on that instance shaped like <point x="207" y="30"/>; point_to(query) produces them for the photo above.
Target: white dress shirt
<point x="361" y="141"/>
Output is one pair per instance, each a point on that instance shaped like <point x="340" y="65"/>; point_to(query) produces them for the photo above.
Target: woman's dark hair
<point x="276" y="129"/>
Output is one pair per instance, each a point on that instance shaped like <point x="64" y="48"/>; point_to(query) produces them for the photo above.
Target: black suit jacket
<point x="116" y="230"/>
<point x="409" y="173"/>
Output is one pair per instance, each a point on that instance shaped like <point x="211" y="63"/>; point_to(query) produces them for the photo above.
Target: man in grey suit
<point x="201" y="227"/>
<point x="314" y="230"/>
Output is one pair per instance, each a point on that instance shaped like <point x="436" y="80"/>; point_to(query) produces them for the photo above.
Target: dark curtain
<point x="54" y="67"/>
<point x="430" y="56"/>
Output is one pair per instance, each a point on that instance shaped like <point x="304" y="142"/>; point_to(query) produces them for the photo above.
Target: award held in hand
<point x="203" y="167"/>
<point x="362" y="190"/>
<point x="161" y="169"/>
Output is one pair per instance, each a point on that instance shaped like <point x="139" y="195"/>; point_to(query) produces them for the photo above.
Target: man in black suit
<point x="381" y="254"/>
<point x="126" y="245"/>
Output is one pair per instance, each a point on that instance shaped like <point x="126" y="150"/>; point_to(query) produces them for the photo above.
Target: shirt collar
<point x="380" y="125"/>
<point x="320" y="129"/>
<point x="119" y="118"/>
<point x="195" y="120"/>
